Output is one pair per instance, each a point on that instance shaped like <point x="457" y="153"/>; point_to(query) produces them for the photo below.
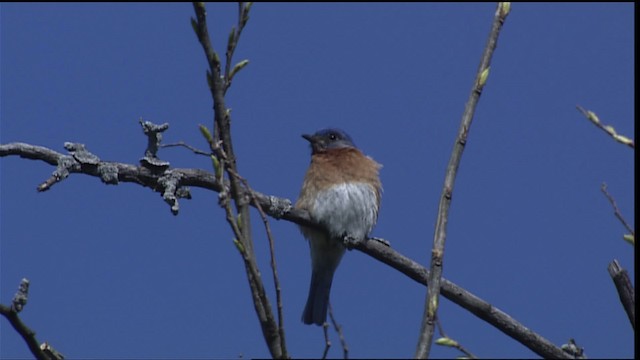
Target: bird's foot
<point x="350" y="242"/>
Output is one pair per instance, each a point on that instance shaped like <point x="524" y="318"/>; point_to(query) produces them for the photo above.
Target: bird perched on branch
<point x="341" y="191"/>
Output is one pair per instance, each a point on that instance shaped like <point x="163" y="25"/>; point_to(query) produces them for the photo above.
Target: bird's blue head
<point x="329" y="139"/>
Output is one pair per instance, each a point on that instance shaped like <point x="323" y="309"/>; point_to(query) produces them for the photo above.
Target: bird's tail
<point x="315" y="312"/>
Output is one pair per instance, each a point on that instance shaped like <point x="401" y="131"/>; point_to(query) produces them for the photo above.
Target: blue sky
<point x="115" y="275"/>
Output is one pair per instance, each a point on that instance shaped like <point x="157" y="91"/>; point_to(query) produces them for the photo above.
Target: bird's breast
<point x="347" y="208"/>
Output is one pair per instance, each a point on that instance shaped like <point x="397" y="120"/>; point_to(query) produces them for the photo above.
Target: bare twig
<point x="327" y="342"/>
<point x="338" y="327"/>
<point x="616" y="211"/>
<point x="187" y="146"/>
<point x="437" y="253"/>
<point x="274" y="267"/>
<point x="606" y="128"/>
<point x="625" y="290"/>
<point x="445" y="340"/>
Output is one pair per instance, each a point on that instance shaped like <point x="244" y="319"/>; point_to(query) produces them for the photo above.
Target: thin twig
<point x="185" y="145"/>
<point x="338" y="327"/>
<point x="445" y="340"/>
<point x="437" y="253"/>
<point x="616" y="211"/>
<point x="591" y="116"/>
<point x="327" y="342"/>
<point x="274" y="267"/>
<point x="254" y="201"/>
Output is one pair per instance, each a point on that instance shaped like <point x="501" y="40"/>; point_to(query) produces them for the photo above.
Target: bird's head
<point x="329" y="139"/>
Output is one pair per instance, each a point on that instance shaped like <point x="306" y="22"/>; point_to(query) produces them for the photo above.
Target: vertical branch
<point x="222" y="147"/>
<point x="222" y="120"/>
<point x="274" y="271"/>
<point x="437" y="252"/>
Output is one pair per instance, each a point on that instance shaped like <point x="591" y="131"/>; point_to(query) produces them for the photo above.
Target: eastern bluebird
<point x="342" y="192"/>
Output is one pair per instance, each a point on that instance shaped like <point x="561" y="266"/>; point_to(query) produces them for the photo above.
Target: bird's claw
<point x="350" y="242"/>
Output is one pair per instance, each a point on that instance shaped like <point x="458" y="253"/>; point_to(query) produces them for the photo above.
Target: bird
<point x="341" y="191"/>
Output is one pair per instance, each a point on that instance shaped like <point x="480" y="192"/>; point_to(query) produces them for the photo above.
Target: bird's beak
<point x="308" y="137"/>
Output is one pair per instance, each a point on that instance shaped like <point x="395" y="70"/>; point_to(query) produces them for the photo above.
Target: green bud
<point x="199" y="5"/>
<point x="245" y="15"/>
<point x="505" y="7"/>
<point x="194" y="25"/>
<point x="217" y="168"/>
<point x="630" y="238"/>
<point x="238" y="67"/>
<point x="483" y="77"/>
<point x="623" y="139"/>
<point x="445" y="341"/>
<point x="593" y="117"/>
<point x="232" y="38"/>
<point x="216" y="164"/>
<point x="206" y="133"/>
<point x="239" y="246"/>
<point x="433" y="306"/>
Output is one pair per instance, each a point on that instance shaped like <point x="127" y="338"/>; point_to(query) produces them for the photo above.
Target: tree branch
<point x="280" y="208"/>
<point x="616" y="210"/>
<point x="28" y="335"/>
<point x="625" y="290"/>
<point x="219" y="84"/>
<point x="591" y="116"/>
<point x="437" y="253"/>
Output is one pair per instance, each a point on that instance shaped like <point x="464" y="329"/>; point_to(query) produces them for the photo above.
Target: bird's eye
<point x="332" y="137"/>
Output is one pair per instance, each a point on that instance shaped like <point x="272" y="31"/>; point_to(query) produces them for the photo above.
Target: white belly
<point x="347" y="209"/>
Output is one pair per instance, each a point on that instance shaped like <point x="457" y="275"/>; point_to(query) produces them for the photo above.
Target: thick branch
<point x="280" y="208"/>
<point x="125" y="172"/>
<point x="11" y="313"/>
<point x="625" y="290"/>
<point x="28" y="335"/>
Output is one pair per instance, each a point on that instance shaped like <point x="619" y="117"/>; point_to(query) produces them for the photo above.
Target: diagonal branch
<point x="591" y="116"/>
<point x="28" y="335"/>
<point x="625" y="290"/>
<point x="280" y="208"/>
<point x="440" y="234"/>
<point x="616" y="210"/>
